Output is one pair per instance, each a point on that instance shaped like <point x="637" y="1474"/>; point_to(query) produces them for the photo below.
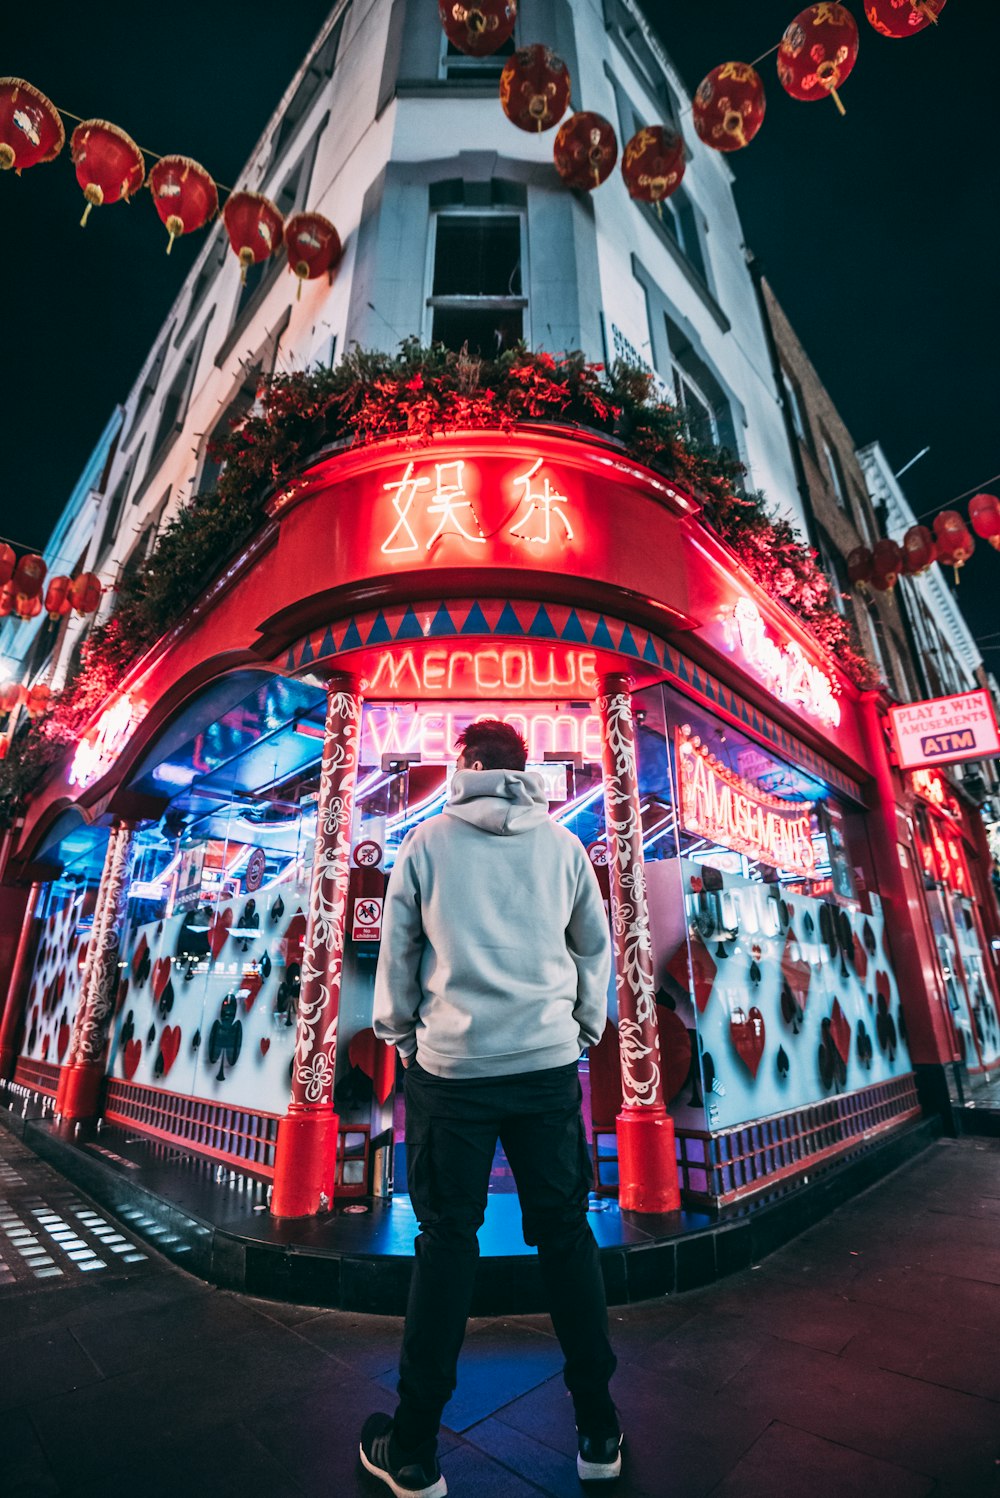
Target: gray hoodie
<point x="495" y="954"/>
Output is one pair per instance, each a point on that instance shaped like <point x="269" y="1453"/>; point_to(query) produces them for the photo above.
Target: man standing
<point x="492" y="978"/>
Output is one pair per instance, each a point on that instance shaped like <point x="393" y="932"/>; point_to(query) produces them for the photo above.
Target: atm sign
<point x="945" y="729"/>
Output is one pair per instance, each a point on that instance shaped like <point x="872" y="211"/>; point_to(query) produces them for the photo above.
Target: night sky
<point x="878" y="231"/>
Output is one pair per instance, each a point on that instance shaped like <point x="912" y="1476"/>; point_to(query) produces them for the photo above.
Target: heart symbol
<point x="840" y="1032"/>
<point x="130" y="1057"/>
<point x="747" y="1032"/>
<point x="45" y="1048"/>
<point x="161" y="976"/>
<point x="250" y="988"/>
<point x="294" y="939"/>
<point x="860" y="959"/>
<point x="170" y="1044"/>
<point x="62" y="1040"/>
<point x="703" y="970"/>
<point x="265" y="1045"/>
<point x="219" y="930"/>
<point x="139" y="957"/>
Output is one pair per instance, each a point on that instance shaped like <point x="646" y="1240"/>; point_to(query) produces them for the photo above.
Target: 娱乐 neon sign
<point x="720" y="805"/>
<point x="428" y="509"/>
<point x="507" y="670"/>
<point x="783" y="668"/>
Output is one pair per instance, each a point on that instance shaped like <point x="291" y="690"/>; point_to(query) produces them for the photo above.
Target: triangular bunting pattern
<point x="573" y="630"/>
<point x="307" y="652"/>
<point x="290" y="663"/>
<point x="326" y="645"/>
<point x="409" y="627"/>
<point x="627" y="642"/>
<point x="352" y="639"/>
<point x="541" y="626"/>
<point x="509" y="623"/>
<point x="601" y="638"/>
<point x="442" y="623"/>
<point x="475" y="622"/>
<point x="649" y="651"/>
<point x="379" y="633"/>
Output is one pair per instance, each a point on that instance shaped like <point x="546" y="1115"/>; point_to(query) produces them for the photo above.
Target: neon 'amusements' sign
<point x="784" y="669"/>
<point x="720" y="805"/>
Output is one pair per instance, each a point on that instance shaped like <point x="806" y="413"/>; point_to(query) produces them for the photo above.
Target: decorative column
<point x="647" y="1165"/>
<point x="17" y="989"/>
<point x="83" y="1072"/>
<point x="306" y="1154"/>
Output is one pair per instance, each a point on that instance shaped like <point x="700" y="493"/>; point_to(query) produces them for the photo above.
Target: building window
<point x="148" y="388"/>
<point x="835" y="473"/>
<point x="477" y="281"/>
<point x="175" y="402"/>
<point x="317" y="73"/>
<point x="623" y="24"/>
<point x="459" y="67"/>
<point x="147" y="539"/>
<point x="706" y="404"/>
<point x="796" y="406"/>
<point x="835" y="567"/>
<point x="116" y="503"/>
<point x="211" y="265"/>
<point x="289" y="199"/>
<point x="232" y="417"/>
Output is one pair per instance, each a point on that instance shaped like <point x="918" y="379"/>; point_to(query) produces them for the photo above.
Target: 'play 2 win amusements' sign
<point x="945" y="729"/>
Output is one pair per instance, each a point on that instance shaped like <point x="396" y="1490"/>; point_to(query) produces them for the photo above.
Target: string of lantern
<point x="951" y="543"/>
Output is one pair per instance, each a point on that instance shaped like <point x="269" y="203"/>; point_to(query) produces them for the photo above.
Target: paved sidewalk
<point x="862" y="1359"/>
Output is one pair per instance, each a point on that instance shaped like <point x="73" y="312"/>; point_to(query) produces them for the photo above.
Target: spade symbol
<point x="158" y="1065"/>
<point x="868" y="936"/>
<point x="783" y="1063"/>
<point x="790" y="1011"/>
<point x="196" y="1040"/>
<point x="225" y="1039"/>
<point x="265" y="967"/>
<point x="808" y="924"/>
<point x="277" y="910"/>
<point x="864" y="1045"/>
<point x="151" y="1035"/>
<point x="128" y="1029"/>
<point x="166" y="1000"/>
<point x="754" y="972"/>
<point x="885" y="1028"/>
<point x="720" y="950"/>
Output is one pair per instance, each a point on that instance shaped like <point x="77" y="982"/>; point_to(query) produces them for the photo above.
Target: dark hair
<point x="496" y="745"/>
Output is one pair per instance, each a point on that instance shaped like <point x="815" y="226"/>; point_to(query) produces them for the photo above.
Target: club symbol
<point x="248" y="929"/>
<point x="225" y="1039"/>
<point x="286" y="1000"/>
<point x="864" y="1045"/>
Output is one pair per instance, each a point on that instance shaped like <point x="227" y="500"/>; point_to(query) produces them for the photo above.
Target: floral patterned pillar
<point x="17" y="989"/>
<point x="83" y="1073"/>
<point x="306" y="1154"/>
<point x="647" y="1165"/>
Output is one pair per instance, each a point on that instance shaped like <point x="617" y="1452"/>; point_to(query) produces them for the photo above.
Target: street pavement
<point x="862" y="1359"/>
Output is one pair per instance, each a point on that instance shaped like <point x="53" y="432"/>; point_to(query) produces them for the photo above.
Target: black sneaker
<point x="408" y="1474"/>
<point x="599" y="1458"/>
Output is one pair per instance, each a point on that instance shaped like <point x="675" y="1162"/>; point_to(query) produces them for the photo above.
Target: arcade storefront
<point x="208" y="873"/>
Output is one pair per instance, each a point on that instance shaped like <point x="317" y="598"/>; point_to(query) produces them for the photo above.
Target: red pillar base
<point x="647" y="1162"/>
<point x="8" y="1063"/>
<point x="305" y="1161"/>
<point x="81" y="1085"/>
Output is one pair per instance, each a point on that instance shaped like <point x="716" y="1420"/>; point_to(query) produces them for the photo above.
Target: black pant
<point x="452" y="1126"/>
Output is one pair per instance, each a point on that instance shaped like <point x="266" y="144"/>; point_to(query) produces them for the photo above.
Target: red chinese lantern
<point x="109" y="164"/>
<point x="817" y="52"/>
<point x="478" y="29"/>
<point x="255" y="228"/>
<point x="29" y="574"/>
<point x="8" y="561"/>
<point x="954" y="541"/>
<point x="534" y="88"/>
<point x="27" y="606"/>
<point x="184" y="195"/>
<point x="85" y="592"/>
<point x="859" y="565"/>
<point x="57" y="596"/>
<point x="585" y="151"/>
<point x="919" y="550"/>
<point x="31" y="130"/>
<point x="10" y="696"/>
<point x="887" y="564"/>
<point x="6" y="600"/>
<point x="984" y="513"/>
<point x="902" y="17"/>
<point x="38" y="700"/>
<point x="653" y="164"/>
<point x="313" y="246"/>
<point x="728" y="108"/>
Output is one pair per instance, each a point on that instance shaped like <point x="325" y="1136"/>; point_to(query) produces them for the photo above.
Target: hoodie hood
<point x="498" y="801"/>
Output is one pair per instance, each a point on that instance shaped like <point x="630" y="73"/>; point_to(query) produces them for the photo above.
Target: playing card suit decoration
<point x="293" y="942"/>
<point x="376" y="1059"/>
<point x="534" y="89"/>
<point x="817" y="52"/>
<point x="902" y="18"/>
<point x="782" y="1062"/>
<point x="109" y="164"/>
<point x="170" y="1044"/>
<point x="653" y="164"/>
<point x="675" y="1050"/>
<point x="265" y="1045"/>
<point x="478" y="29"/>
<point x="585" y="151"/>
<point x="840" y="1032"/>
<point x="796" y="976"/>
<point x="161" y="976"/>
<point x="277" y="909"/>
<point x="130" y="1057"/>
<point x="747" y="1032"/>
<point x="251" y="986"/>
<point x="702" y="969"/>
<point x="184" y="195"/>
<point x="31" y="128"/>
<point x="218" y="931"/>
<point x="860" y="958"/>
<point x="863" y="1045"/>
<point x="728" y="107"/>
<point x="62" y="1040"/>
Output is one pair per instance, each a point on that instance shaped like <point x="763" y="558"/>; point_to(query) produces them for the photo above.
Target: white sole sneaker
<point x="436" y="1489"/>
<point x="600" y="1471"/>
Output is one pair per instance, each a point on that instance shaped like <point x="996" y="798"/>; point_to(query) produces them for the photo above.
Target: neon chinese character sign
<point x="720" y="805"/>
<point x="427" y="509"/>
<point x="783" y="668"/>
<point x="98" y="749"/>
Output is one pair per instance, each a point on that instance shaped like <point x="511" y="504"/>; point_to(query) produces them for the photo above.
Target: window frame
<point x="460" y="303"/>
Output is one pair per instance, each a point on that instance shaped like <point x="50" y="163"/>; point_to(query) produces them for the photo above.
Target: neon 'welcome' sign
<point x="432" y="732"/>
<point x="783" y="668"/>
<point x="504" y="670"/>
<point x="436" y="501"/>
<point x="720" y="805"/>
